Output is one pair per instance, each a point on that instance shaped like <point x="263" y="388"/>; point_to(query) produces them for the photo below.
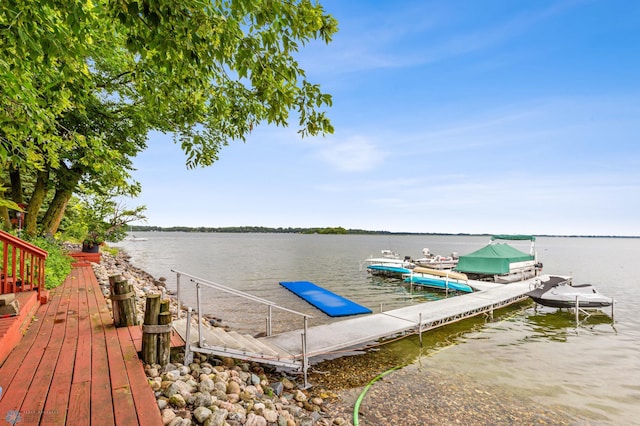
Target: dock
<point x="295" y="349"/>
<point x="327" y="338"/>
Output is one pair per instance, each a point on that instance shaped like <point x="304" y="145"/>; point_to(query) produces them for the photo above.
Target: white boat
<point x="437" y="261"/>
<point x="439" y="279"/>
<point x="560" y="292"/>
<point x="134" y="238"/>
<point x="389" y="264"/>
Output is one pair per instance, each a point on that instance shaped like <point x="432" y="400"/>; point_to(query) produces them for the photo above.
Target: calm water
<point x="593" y="369"/>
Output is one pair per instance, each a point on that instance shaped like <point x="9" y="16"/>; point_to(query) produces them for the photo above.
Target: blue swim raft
<point x="328" y="302"/>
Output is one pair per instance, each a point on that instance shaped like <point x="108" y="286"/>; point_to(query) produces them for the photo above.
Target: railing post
<point x="269" y="320"/>
<point x="178" y="295"/>
<point x="188" y="355"/>
<point x="305" y="360"/>
<point x="200" y="338"/>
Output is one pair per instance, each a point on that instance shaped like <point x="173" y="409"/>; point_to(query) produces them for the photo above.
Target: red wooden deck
<point x="73" y="367"/>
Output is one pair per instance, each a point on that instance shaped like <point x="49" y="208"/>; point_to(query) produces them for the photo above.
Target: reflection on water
<point x="592" y="369"/>
<point x="558" y="324"/>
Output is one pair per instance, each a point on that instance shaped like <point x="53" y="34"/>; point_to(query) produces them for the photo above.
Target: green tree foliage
<point x="83" y="83"/>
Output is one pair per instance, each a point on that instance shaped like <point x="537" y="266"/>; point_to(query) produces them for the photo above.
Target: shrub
<point x="58" y="263"/>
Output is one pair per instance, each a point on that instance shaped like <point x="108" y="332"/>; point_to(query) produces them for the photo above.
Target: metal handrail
<point x="201" y="281"/>
<point x="236" y="293"/>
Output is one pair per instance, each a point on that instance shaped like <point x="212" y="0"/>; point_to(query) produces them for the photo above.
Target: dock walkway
<point x="73" y="367"/>
<point x="323" y="339"/>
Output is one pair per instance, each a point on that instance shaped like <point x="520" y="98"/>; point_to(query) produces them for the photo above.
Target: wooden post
<point x="123" y="302"/>
<point x="150" y="340"/>
<point x="164" y="339"/>
<point x="115" y="303"/>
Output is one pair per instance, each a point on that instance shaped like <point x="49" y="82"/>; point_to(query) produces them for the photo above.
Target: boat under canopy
<point x="500" y="261"/>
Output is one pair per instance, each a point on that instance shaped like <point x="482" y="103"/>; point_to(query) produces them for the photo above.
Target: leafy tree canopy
<point x="83" y="83"/>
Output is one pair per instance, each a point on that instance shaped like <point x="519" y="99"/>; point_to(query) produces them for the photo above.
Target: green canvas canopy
<point x="493" y="259"/>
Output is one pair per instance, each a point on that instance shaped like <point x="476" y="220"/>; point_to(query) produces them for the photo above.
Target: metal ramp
<point x="217" y="341"/>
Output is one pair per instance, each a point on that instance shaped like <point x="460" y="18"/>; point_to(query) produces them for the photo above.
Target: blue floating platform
<point x="325" y="300"/>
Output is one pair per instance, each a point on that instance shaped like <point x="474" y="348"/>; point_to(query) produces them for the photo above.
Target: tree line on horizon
<point x="280" y="230"/>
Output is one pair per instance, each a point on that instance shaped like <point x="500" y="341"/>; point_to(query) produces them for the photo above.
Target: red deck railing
<point x="22" y="265"/>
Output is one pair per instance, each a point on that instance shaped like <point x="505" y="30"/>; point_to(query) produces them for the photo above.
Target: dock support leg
<point x="420" y="329"/>
<point x="613" y="302"/>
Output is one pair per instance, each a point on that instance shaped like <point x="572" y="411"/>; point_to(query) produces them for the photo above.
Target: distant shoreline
<point x="331" y="231"/>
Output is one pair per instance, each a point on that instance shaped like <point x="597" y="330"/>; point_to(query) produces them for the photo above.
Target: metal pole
<point x="269" y="320"/>
<point x="577" y="311"/>
<point x="178" y="295"/>
<point x="200" y="338"/>
<point x="380" y="307"/>
<point x="613" y="302"/>
<point x="420" y="329"/>
<point x="305" y="361"/>
<point x="188" y="356"/>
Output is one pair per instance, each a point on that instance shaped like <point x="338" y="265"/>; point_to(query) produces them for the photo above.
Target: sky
<point x="450" y="117"/>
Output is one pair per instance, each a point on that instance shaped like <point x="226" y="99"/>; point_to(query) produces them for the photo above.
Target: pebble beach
<point x="222" y="391"/>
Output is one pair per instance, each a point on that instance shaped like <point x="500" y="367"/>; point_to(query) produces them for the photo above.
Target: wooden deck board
<point x="73" y="367"/>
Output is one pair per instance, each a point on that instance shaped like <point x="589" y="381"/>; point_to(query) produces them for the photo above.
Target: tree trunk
<point x="55" y="212"/>
<point x="68" y="180"/>
<point x="35" y="203"/>
<point x="16" y="186"/>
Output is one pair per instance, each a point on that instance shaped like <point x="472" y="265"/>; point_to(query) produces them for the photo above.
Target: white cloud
<point x="355" y="154"/>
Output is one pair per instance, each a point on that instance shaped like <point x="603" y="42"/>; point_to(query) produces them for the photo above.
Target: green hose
<point x="356" y="408"/>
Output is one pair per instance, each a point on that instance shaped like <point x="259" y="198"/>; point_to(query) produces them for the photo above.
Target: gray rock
<point x="202" y="399"/>
<point x="255" y="380"/>
<point x="255" y="420"/>
<point x="277" y="387"/>
<point x="177" y="400"/>
<point x="206" y="385"/>
<point x="172" y="375"/>
<point x="167" y="415"/>
<point x="201" y="414"/>
<point x="217" y="418"/>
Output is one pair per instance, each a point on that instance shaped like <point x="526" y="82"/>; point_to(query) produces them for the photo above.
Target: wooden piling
<point x="164" y="339"/>
<point x="123" y="304"/>
<point x="150" y="340"/>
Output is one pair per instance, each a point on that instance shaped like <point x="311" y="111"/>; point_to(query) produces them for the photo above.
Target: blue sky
<point x="450" y="116"/>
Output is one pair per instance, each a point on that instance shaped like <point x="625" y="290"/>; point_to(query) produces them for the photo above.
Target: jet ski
<point x="560" y="292"/>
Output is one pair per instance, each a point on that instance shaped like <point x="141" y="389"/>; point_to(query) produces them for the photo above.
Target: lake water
<point x="592" y="370"/>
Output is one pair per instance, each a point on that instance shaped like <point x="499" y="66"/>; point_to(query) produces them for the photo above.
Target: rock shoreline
<point x="214" y="391"/>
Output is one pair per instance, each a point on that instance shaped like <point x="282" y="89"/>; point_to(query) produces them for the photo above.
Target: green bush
<point x="58" y="263"/>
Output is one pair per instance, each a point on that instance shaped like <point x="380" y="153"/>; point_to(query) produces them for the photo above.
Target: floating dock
<point x="326" y="338"/>
<point x="295" y="349"/>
